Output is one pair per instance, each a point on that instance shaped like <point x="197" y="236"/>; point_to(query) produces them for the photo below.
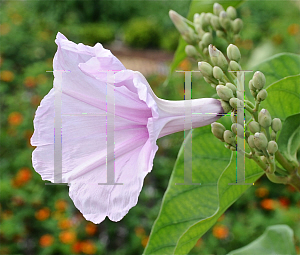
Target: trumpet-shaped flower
<point x="140" y="119"/>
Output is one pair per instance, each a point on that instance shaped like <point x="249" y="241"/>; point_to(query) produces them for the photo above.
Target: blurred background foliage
<point x="41" y="219"/>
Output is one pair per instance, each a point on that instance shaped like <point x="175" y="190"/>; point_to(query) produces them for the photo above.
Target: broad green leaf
<point x="283" y="97"/>
<point x="275" y="68"/>
<point x="289" y="139"/>
<point x="276" y="239"/>
<point x="196" y="6"/>
<point x="188" y="211"/>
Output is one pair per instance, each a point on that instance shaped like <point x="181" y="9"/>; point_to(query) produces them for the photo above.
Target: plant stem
<point x="282" y="160"/>
<point x="281" y="171"/>
<point x="294" y="180"/>
<point x="229" y="77"/>
<point x="268" y="134"/>
<point x="249" y="109"/>
<point x="277" y="179"/>
<point x="262" y="165"/>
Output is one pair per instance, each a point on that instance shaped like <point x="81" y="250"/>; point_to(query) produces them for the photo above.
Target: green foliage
<point x="188" y="211"/>
<point x="277" y="239"/>
<point x="283" y="97"/>
<point x="142" y="33"/>
<point x="289" y="139"/>
<point x="274" y="68"/>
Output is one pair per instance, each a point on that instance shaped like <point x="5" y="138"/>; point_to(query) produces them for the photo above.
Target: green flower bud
<point x="203" y="20"/>
<point x="272" y="147"/>
<point x="237" y="25"/>
<point x="214" y="21"/>
<point x="251" y="87"/>
<point x="264" y="118"/>
<point x="247" y="134"/>
<point x="190" y="37"/>
<point x="229" y="137"/>
<point x="191" y="51"/>
<point x="225" y="106"/>
<point x="208" y="16"/>
<point x="253" y="93"/>
<point x="238" y="129"/>
<point x="233" y="53"/>
<point x="260" y="141"/>
<point x="227" y="146"/>
<point x="220" y="34"/>
<point x="233" y="102"/>
<point x="251" y="141"/>
<point x="201" y="46"/>
<point x="224" y="92"/>
<point x="233" y="117"/>
<point x="234" y="66"/>
<point x="196" y="18"/>
<point x="254" y="127"/>
<point x="218" y="73"/>
<point x="207" y="39"/>
<point x="206" y="69"/>
<point x="224" y="21"/>
<point x="179" y="22"/>
<point x="218" y="130"/>
<point x="276" y="124"/>
<point x="217" y="9"/>
<point x="205" y="51"/>
<point x="217" y="58"/>
<point x="232" y="87"/>
<point x="231" y="12"/>
<point x="262" y="95"/>
<point x="259" y="80"/>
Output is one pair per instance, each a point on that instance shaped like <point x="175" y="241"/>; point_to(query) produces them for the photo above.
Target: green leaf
<point x="283" y="97"/>
<point x="275" y="68"/>
<point x="289" y="139"/>
<point x="188" y="211"/>
<point x="196" y="6"/>
<point x="276" y="239"/>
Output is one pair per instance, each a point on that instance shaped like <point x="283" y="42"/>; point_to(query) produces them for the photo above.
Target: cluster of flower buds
<point x="263" y="143"/>
<point x="256" y="86"/>
<point x="224" y="23"/>
<point x="218" y="76"/>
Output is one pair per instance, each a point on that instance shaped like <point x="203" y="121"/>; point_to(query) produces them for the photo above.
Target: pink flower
<point x="140" y="119"/>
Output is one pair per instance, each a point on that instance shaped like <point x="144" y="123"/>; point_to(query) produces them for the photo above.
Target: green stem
<point x="282" y="160"/>
<point x="268" y="134"/>
<point x="249" y="109"/>
<point x="281" y="171"/>
<point x="277" y="179"/>
<point x="249" y="103"/>
<point x="229" y="77"/>
<point x="262" y="165"/>
<point x="294" y="180"/>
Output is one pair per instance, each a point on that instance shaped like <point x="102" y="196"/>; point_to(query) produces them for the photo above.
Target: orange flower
<point x="43" y="214"/>
<point x="76" y="247"/>
<point x="64" y="224"/>
<point x="67" y="237"/>
<point x="90" y="228"/>
<point x="185" y="65"/>
<point x="61" y="205"/>
<point x="22" y="177"/>
<point x="220" y="231"/>
<point x="284" y="202"/>
<point x="145" y="241"/>
<point x="139" y="231"/>
<point x="46" y="240"/>
<point x="15" y="118"/>
<point x="88" y="247"/>
<point x="7" y="76"/>
<point x="293" y="29"/>
<point x="30" y="82"/>
<point x="267" y="204"/>
<point x="261" y="192"/>
<point x="4" y="29"/>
